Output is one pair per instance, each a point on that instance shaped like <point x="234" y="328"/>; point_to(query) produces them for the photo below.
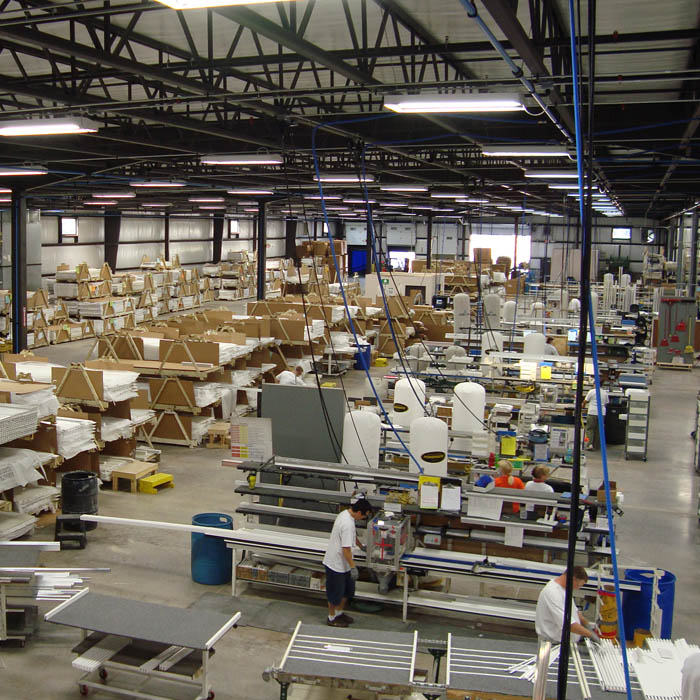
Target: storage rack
<point x="637" y="432"/>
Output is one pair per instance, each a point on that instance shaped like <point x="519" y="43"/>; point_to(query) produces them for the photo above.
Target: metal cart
<point x="142" y="650"/>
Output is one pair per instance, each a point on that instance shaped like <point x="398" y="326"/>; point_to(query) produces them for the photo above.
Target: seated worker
<point x="507" y="481"/>
<point x="549" y="614"/>
<point x="549" y="348"/>
<point x="295" y="378"/>
<point x="539" y="483"/>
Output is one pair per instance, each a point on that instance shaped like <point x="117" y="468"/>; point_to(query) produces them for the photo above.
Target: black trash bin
<point x="615" y="427"/>
<point x="79" y="495"/>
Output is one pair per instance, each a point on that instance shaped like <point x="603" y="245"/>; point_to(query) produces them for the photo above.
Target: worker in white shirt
<point x="295" y="378"/>
<point x="549" y="348"/>
<point x="592" y="432"/>
<point x="549" y="614"/>
<point x="690" y="678"/>
<point x="341" y="571"/>
<point x="539" y="483"/>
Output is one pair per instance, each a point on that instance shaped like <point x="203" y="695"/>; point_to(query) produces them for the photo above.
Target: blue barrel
<point x="211" y="558"/>
<point x="636" y="605"/>
<point x="363" y="359"/>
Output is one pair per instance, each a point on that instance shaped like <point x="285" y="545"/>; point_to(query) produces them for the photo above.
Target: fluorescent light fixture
<point x="47" y="127"/>
<point x="5" y="200"/>
<point x="526" y="151"/>
<point x="337" y="208"/>
<point x="563" y="187"/>
<point x="101" y="202"/>
<point x="250" y="209"/>
<point x="249" y="192"/>
<point x="11" y="170"/>
<point x="340" y="178"/>
<point x="403" y="188"/>
<point x="447" y="195"/>
<point x="4" y="190"/>
<point x="326" y="196"/>
<point x="205" y="200"/>
<point x="156" y="183"/>
<point x="422" y="208"/>
<point x="114" y="195"/>
<point x="551" y="174"/>
<point x="472" y="200"/>
<point x="155" y="204"/>
<point x="475" y="102"/>
<point x="359" y="201"/>
<point x="213" y="206"/>
<point x="243" y="159"/>
<point x="394" y="204"/>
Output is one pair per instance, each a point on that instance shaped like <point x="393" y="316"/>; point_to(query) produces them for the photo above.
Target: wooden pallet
<point x="674" y="365"/>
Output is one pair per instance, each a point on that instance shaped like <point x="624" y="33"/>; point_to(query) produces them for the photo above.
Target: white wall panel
<point x="91" y="229"/>
<point x="400" y="234"/>
<point x="129" y="255"/>
<point x="71" y="254"/>
<point x="141" y="229"/>
<point x="49" y="229"/>
<point x="275" y="248"/>
<point x="235" y="246"/>
<point x="190" y="228"/>
<point x="191" y="253"/>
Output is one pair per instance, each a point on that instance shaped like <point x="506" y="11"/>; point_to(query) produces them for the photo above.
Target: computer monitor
<point x="572" y="335"/>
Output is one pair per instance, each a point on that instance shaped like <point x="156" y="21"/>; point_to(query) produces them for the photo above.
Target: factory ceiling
<point x="167" y="87"/>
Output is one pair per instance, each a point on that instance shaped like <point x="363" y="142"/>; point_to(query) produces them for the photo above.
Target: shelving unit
<point x="637" y="432"/>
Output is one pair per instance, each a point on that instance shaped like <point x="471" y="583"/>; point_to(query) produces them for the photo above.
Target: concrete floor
<point x="659" y="527"/>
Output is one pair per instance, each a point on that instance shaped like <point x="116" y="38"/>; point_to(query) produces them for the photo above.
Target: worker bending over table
<point x="549" y="614"/>
<point x="341" y="572"/>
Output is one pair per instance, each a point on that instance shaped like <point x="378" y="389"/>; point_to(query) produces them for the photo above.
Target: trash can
<point x="363" y="359"/>
<point x="636" y="605"/>
<point x="210" y="558"/>
<point x="79" y="495"/>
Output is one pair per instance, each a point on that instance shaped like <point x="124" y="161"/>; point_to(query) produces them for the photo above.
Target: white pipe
<point x="158" y="525"/>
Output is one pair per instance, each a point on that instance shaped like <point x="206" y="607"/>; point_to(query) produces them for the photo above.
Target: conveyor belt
<point x="146" y="621"/>
<point x="480" y="664"/>
<point x="367" y="656"/>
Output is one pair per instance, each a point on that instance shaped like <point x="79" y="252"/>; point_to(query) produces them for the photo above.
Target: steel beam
<point x="218" y="231"/>
<point x="113" y="224"/>
<point x="18" y="226"/>
<point x="261" y="249"/>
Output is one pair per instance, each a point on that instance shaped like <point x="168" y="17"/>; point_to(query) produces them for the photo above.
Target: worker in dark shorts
<point x="341" y="572"/>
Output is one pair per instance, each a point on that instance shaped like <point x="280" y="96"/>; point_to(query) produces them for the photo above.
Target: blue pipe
<point x="594" y="352"/>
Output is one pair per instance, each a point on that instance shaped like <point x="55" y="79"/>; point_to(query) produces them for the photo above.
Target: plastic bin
<point x="636" y="605"/>
<point x="211" y="559"/>
<point x="79" y="491"/>
<point x="363" y="359"/>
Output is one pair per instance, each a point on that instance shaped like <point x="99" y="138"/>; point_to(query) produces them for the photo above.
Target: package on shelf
<point x="42" y="397"/>
<point x="74" y="435"/>
<point x="14" y="525"/>
<point x="5" y="301"/>
<point x="36" y="499"/>
<point x="37" y="300"/>
<point x="113" y="428"/>
<point x="110" y="463"/>
<point x="18" y="467"/>
<point x="17" y="422"/>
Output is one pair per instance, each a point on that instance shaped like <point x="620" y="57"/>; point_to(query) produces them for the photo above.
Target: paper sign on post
<point x="429" y="491"/>
<point x="251" y="439"/>
<point x="508" y="445"/>
<point x="484" y="507"/>
<point x="514" y="536"/>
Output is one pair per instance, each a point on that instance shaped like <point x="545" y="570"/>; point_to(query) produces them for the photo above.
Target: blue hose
<point x="342" y="290"/>
<point x="594" y="353"/>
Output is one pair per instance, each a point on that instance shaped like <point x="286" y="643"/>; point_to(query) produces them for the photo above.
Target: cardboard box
<point x="600" y="493"/>
<point x="482" y="255"/>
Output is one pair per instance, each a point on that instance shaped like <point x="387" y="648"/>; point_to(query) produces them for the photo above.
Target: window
<point x="650" y="235"/>
<point x="69" y="228"/>
<point x="233" y="230"/>
<point x="622" y="234"/>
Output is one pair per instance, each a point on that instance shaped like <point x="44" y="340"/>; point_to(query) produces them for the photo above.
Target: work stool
<point x="219" y="435"/>
<point x="155" y="483"/>
<point x="77" y="533"/>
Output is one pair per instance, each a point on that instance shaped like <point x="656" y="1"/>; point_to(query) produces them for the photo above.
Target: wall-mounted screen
<point x="621" y="234"/>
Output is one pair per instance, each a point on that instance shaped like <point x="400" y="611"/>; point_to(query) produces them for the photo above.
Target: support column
<point x="290" y="238"/>
<point x="218" y="232"/>
<point x="18" y="216"/>
<point x="261" y="246"/>
<point x="429" y="243"/>
<point x="113" y="224"/>
<point x="369" y="252"/>
<point x="693" y="269"/>
<point x="166" y="237"/>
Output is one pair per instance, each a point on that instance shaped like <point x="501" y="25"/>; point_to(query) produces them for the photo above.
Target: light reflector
<point x="340" y="178"/>
<point x="199" y="4"/>
<point x="526" y="151"/>
<point x="243" y="159"/>
<point x="475" y="102"/>
<point x="47" y="127"/>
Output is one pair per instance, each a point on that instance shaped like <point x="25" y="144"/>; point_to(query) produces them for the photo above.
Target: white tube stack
<point x="534" y="344"/>
<point x="509" y="312"/>
<point x="468" y="408"/>
<point x="462" y="313"/>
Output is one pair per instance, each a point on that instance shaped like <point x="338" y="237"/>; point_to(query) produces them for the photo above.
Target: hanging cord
<point x="406" y="311"/>
<point x="317" y="170"/>
<point x="370" y="231"/>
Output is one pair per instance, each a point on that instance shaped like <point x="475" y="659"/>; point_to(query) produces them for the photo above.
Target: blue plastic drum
<point x="211" y="558"/>
<point x="636" y="605"/>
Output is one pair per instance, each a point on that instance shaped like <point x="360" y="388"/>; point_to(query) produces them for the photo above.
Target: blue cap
<point x="483" y="481"/>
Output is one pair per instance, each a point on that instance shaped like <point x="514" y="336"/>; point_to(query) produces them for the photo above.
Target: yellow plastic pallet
<point x="156" y="482"/>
